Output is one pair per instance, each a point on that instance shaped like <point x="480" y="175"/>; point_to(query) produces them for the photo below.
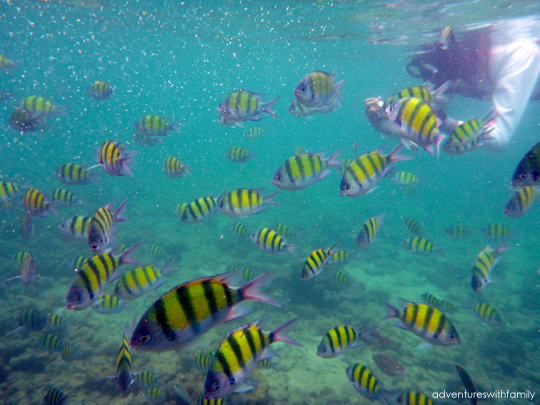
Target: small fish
<point x="98" y="272"/>
<point x="467" y="383"/>
<point x="447" y="305"/>
<point x="254" y="133"/>
<point x="154" y="125"/>
<point x="65" y="196"/>
<point x="487" y="313"/>
<point x="73" y="174"/>
<point x="69" y="354"/>
<point x="31" y="319"/>
<point x="341" y="257"/>
<point x="174" y="168"/>
<point x="27" y="270"/>
<point x="55" y="397"/>
<point x="140" y="281"/>
<point x="245" y="202"/>
<point x="109" y="304"/>
<point x="238" y="355"/>
<point x="266" y="364"/>
<point x="527" y="172"/>
<point x="427" y="93"/>
<point x="40" y="105"/>
<point x="27" y="227"/>
<point x="156" y="251"/>
<point x="470" y="134"/>
<point x="10" y="190"/>
<point x="146" y="380"/>
<point x="100" y="90"/>
<point x="303" y="170"/>
<point x="202" y="362"/>
<point x="124" y="373"/>
<point x="389" y="366"/>
<point x="369" y="231"/>
<point x="114" y="160"/>
<point x="414" y="398"/>
<point x="485" y="263"/>
<point x="25" y="121"/>
<point x="179" y="316"/>
<point x="521" y="201"/>
<point x="496" y="231"/>
<point x="270" y="241"/>
<point x="458" y="231"/>
<point x="6" y="64"/>
<point x="243" y="105"/>
<point x="239" y="155"/>
<point x="35" y="203"/>
<point x="431" y="299"/>
<point x="54" y="320"/>
<point x="421" y="246"/>
<point x="155" y="394"/>
<point x="145" y="140"/>
<point x="315" y="263"/>
<point x="239" y="229"/>
<point x="51" y="343"/>
<point x="448" y="39"/>
<point x="341" y="338"/>
<point x="299" y="151"/>
<point x="419" y="122"/>
<point x="365" y="382"/>
<point x="355" y="146"/>
<point x="410" y="190"/>
<point x="317" y="89"/>
<point x="426" y="322"/>
<point x="412" y="225"/>
<point x="405" y="179"/>
<point x="76" y="228"/>
<point x="362" y="175"/>
<point x="283" y="229"/>
<point x="19" y="257"/>
<point x="342" y="278"/>
<point x="248" y="274"/>
<point x="199" y="209"/>
<point x="101" y="226"/>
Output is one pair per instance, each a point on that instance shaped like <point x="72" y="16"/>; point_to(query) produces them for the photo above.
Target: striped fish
<point x="27" y="270"/>
<point x="19" y="257"/>
<point x="155" y="394"/>
<point x="243" y="105"/>
<point x="239" y="155"/>
<point x="202" y="362"/>
<point x="37" y="104"/>
<point x="426" y="322"/>
<point x="496" y="231"/>
<point x="98" y="272"/>
<point x="114" y="160"/>
<point x="140" y="281"/>
<point x="193" y="308"/>
<point x="427" y="93"/>
<point x="155" y="125"/>
<point x="26" y="227"/>
<point x="238" y="355"/>
<point x="521" y="201"/>
<point x="431" y="299"/>
<point x="109" y="304"/>
<point x="100" y="90"/>
<point x="470" y="135"/>
<point x="283" y="230"/>
<point x="412" y="225"/>
<point x="365" y="382"/>
<point x="9" y="190"/>
<point x="35" y="203"/>
<point x="448" y="39"/>
<point x="317" y="89"/>
<point x="69" y="354"/>
<point x="54" y="320"/>
<point x="341" y="338"/>
<point x="342" y="278"/>
<point x="362" y="175"/>
<point x="199" y="209"/>
<point x="6" y="206"/>
<point x="244" y="202"/>
<point x="341" y="257"/>
<point x="156" y="251"/>
<point x="458" y="231"/>
<point x="248" y="274"/>
<point x="421" y="246"/>
<point x="76" y="228"/>
<point x="485" y="263"/>
<point x="414" y="398"/>
<point x="73" y="174"/>
<point x="101" y="226"/>
<point x="31" y="319"/>
<point x="369" y="231"/>
<point x="254" y="133"/>
<point x="65" y="196"/>
<point x="447" y="305"/>
<point x="174" y="168"/>
<point x="239" y="229"/>
<point x="55" y="397"/>
<point x="271" y="242"/>
<point x="25" y="121"/>
<point x="304" y="169"/>
<point x="527" y="172"/>
<point x="146" y="379"/>
<point x="51" y="343"/>
<point x="487" y="313"/>
<point x="124" y="374"/>
<point x="405" y="179"/>
<point x="419" y="122"/>
<point x="314" y="264"/>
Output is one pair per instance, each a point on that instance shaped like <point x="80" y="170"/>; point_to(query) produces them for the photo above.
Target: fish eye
<point x="78" y="298"/>
<point x="215" y="387"/>
<point x="347" y="187"/>
<point x="144" y="338"/>
<point x="323" y="349"/>
<point x="523" y="176"/>
<point x="278" y="178"/>
<point x="451" y="336"/>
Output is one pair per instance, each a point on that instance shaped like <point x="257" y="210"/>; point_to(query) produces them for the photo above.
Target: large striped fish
<point x="485" y="263"/>
<point x="341" y="338"/>
<point x="271" y="242"/>
<point x="520" y="203"/>
<point x="244" y="105"/>
<point x="317" y="89"/>
<point x="244" y="202"/>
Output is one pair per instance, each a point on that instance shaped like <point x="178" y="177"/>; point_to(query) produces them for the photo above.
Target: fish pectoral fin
<point x="243" y="387"/>
<point x="268" y="354"/>
<point x="195" y="344"/>
<point x="357" y="343"/>
<point x="400" y="325"/>
<point x="423" y="346"/>
<point x="238" y="311"/>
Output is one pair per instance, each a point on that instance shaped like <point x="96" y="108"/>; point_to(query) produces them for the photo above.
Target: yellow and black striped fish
<point x="198" y="210"/>
<point x="109" y="304"/>
<point x="341" y="257"/>
<point x="448" y="38"/>
<point x="431" y="299"/>
<point x="239" y="155"/>
<point x="315" y="263"/>
<point x="40" y="105"/>
<point x="485" y="263"/>
<point x="369" y="231"/>
<point x="31" y="319"/>
<point x="146" y="379"/>
<point x="73" y="174"/>
<point x="317" y="89"/>
<point x="156" y="394"/>
<point x="55" y="397"/>
<point x="114" y="160"/>
<point x="27" y="270"/>
<point x="69" y="354"/>
<point x="35" y="203"/>
<point x="414" y="398"/>
<point x="100" y="90"/>
<point x="458" y="231"/>
<point x="342" y="278"/>
<point x="174" y="168"/>
<point x="447" y="305"/>
<point x="299" y="151"/>
<point x="124" y="373"/>
<point x="76" y="227"/>
<point x="9" y="190"/>
<point x="238" y="355"/>
<point x="6" y="64"/>
<point x="362" y="175"/>
<point x="54" y="320"/>
<point x="239" y="229"/>
<point x="98" y="272"/>
<point x="25" y="121"/>
<point x="365" y="382"/>
<point x="426" y="322"/>
<point x="101" y="226"/>
<point x="487" y="313"/>
<point x="244" y="202"/>
<point x="244" y="105"/>
<point x="156" y="251"/>
<point x="283" y="229"/>
<point x="27" y="227"/>
<point x="248" y="274"/>
<point x="426" y="93"/>
<point x="66" y="196"/>
<point x="405" y="179"/>
<point x="271" y="242"/>
<point x="527" y="172"/>
<point x="51" y="343"/>
<point x="19" y="257"/>
<point x="155" y="125"/>
<point x="421" y="246"/>
<point x="202" y="362"/>
<point x="339" y="339"/>
<point x="521" y="201"/>
<point x="412" y="225"/>
<point x="496" y="231"/>
<point x="254" y="133"/>
<point x="193" y="308"/>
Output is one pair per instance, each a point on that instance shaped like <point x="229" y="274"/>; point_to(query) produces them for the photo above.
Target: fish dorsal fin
<point x="257" y="322"/>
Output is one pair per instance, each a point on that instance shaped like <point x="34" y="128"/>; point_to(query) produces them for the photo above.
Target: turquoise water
<point x="180" y="60"/>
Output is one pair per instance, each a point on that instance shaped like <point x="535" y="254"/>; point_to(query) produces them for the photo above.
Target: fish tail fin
<point x="280" y="333"/>
<point x="380" y="218"/>
<point x="291" y="249"/>
<point x="333" y="161"/>
<point x="252" y="289"/>
<point x="186" y="170"/>
<point x="439" y="96"/>
<point x="61" y="109"/>
<point x="337" y="88"/>
<point x="268" y="198"/>
<point x="126" y="161"/>
<point x="393" y="312"/>
<point x="166" y="269"/>
<point x="501" y="247"/>
<point x="175" y="125"/>
<point x="394" y="157"/>
<point x="118" y="213"/>
<point x="50" y="206"/>
<point x="126" y="257"/>
<point x="492" y="115"/>
<point x="252" y="156"/>
<point x="267" y="109"/>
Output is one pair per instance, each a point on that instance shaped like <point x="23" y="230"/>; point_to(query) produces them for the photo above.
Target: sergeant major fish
<point x="369" y="231"/>
<point x="365" y="382"/>
<point x="520" y="203"/>
<point x="341" y="338"/>
<point x="76" y="228"/>
<point x="244" y="202"/>
<point x="101" y="226"/>
<point x="155" y="125"/>
<point x="485" y="263"/>
<point x="243" y="105"/>
<point x="271" y="242"/>
<point x="174" y="168"/>
<point x="315" y="263"/>
<point x="317" y="89"/>
<point x="527" y="172"/>
<point x="100" y="90"/>
<point x="114" y="160"/>
<point x="71" y="173"/>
